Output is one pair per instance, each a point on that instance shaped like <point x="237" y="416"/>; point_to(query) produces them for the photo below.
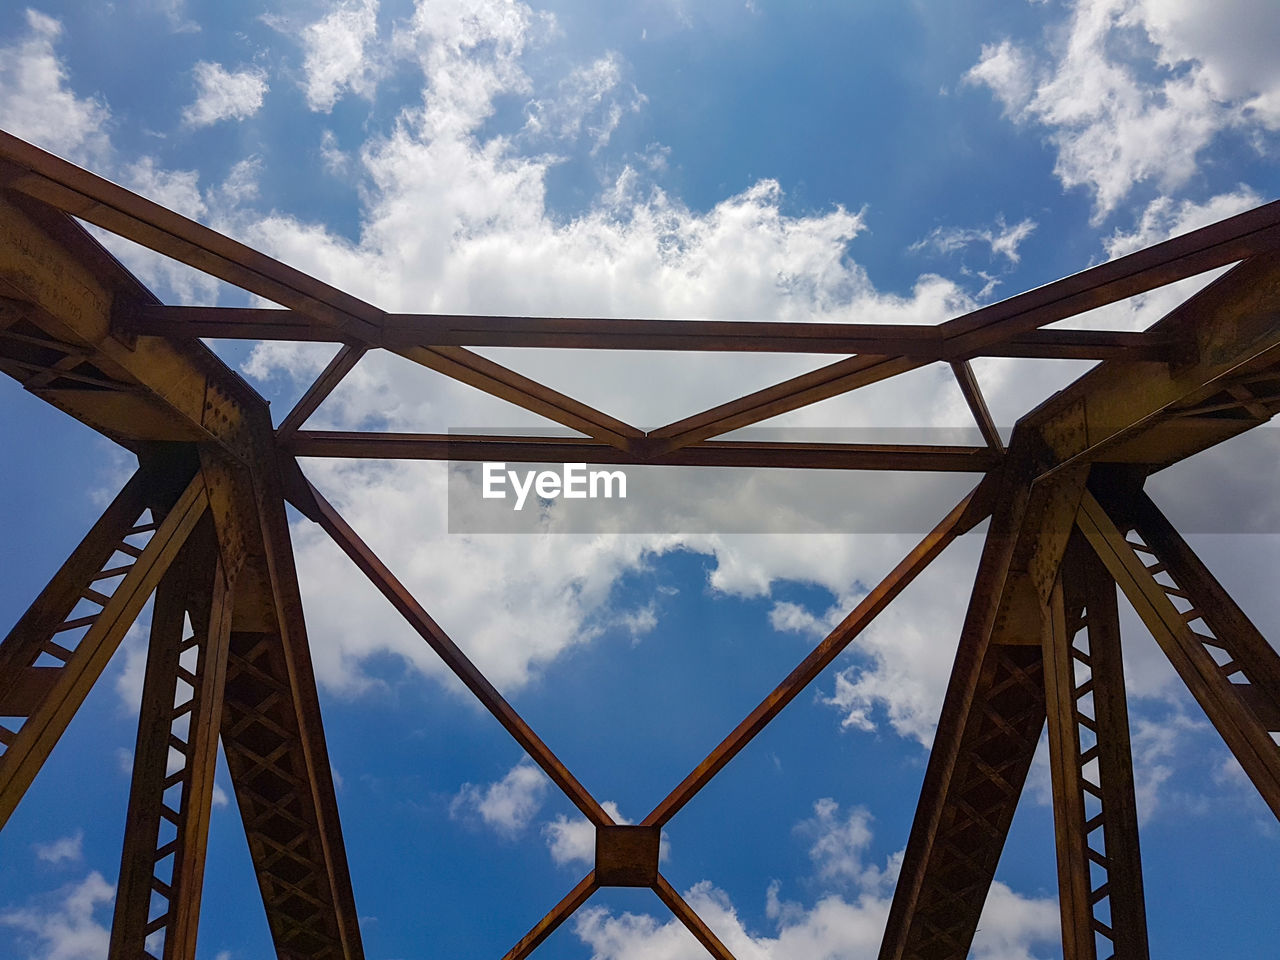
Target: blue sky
<point x="758" y="160"/>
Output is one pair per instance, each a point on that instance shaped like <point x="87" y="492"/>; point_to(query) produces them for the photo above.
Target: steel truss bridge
<point x="202" y="525"/>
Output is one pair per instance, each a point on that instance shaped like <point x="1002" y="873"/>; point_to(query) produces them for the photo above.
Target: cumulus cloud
<point x="337" y="54"/>
<point x="1136" y="89"/>
<point x="37" y="103"/>
<point x="67" y="926"/>
<point x="222" y="94"/>
<point x="507" y="805"/>
<point x="457" y="220"/>
<point x="1233" y="44"/>
<point x="1012" y="927"/>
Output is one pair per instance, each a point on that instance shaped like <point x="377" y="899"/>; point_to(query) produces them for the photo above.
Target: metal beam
<point x="178" y="721"/>
<point x="28" y="170"/>
<point x="274" y="741"/>
<point x="61" y="287"/>
<point x="808" y="388"/>
<point x="114" y="575"/>
<point x="1095" y="815"/>
<point x="1252" y="234"/>
<point x="1220" y="656"/>
<point x="343" y="362"/>
<point x="457" y="661"/>
<point x="557" y="915"/>
<point x="968" y="382"/>
<point x="970" y="677"/>
<point x="967" y="514"/>
<point x="713" y="453"/>
<point x="1227" y="330"/>
<point x="990" y="723"/>
<point x="568" y="333"/>
<point x="66" y="287"/>
<point x="689" y="917"/>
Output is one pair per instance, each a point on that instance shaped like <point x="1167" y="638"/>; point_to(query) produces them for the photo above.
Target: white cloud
<point x="1166" y="217"/>
<point x="453" y="222"/>
<point x="1012" y="927"/>
<point x="224" y="95"/>
<point x="639" y="621"/>
<point x="1012" y="924"/>
<point x="905" y="655"/>
<point x="788" y="617"/>
<point x="574" y="840"/>
<point x="457" y="220"/>
<point x="336" y="162"/>
<point x="1232" y="42"/>
<point x="1135" y="90"/>
<point x="62" y="850"/>
<point x="1010" y="73"/>
<point x="1002" y="239"/>
<point x="175" y="11"/>
<point x="508" y="805"/>
<point x="337" y="54"/>
<point x="848" y="924"/>
<point x="176" y="189"/>
<point x="839" y="845"/>
<point x="68" y="928"/>
<point x="1155" y="743"/>
<point x="591" y="100"/>
<point x="36" y="102"/>
<point x="129" y="681"/>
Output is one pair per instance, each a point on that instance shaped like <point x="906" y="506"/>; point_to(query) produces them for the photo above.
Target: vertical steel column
<point x="1094" y="812"/>
<point x="162" y="866"/>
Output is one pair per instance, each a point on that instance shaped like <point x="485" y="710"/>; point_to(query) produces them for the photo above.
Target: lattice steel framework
<point x="202" y="525"/>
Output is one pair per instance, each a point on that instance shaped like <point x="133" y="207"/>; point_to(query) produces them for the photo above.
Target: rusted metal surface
<point x="174" y="758"/>
<point x="1220" y="656"/>
<point x="711" y="453"/>
<point x="991" y="719"/>
<point x="557" y="915"/>
<point x="689" y="917"/>
<point x="111" y="571"/>
<point x="966" y="515"/>
<point x="78" y="331"/>
<point x="1095" y="814"/>
<point x="408" y="330"/>
<point x="457" y="661"/>
<point x="627" y="856"/>
<point x="62" y="286"/>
